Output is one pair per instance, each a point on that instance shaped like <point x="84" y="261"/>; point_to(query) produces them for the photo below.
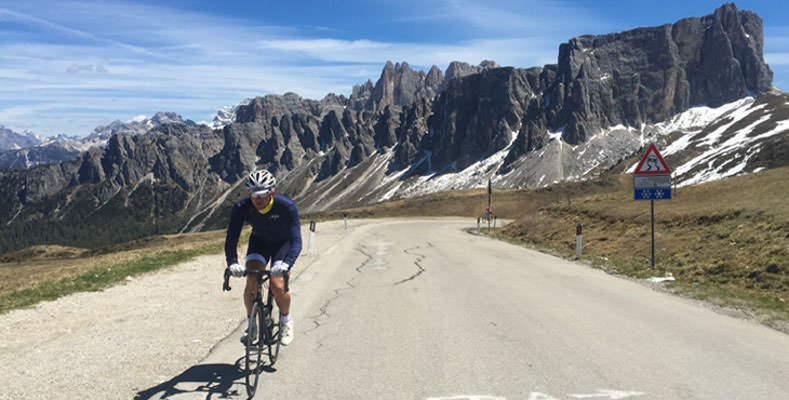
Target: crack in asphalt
<point x="365" y="262"/>
<point x="419" y="258"/>
<point x="324" y="310"/>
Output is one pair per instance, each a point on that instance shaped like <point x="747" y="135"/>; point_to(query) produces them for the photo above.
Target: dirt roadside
<point x="114" y="343"/>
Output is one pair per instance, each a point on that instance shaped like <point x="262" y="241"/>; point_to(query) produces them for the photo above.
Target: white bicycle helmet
<point x="261" y="182"/>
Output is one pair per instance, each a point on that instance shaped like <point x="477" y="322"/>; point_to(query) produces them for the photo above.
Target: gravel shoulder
<point x="114" y="343"/>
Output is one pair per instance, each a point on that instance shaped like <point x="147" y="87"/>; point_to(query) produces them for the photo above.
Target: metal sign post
<point x="652" y="212"/>
<point x="652" y="181"/>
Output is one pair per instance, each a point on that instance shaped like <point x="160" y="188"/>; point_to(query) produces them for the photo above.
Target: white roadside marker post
<point x="578" y="242"/>
<point x="312" y="238"/>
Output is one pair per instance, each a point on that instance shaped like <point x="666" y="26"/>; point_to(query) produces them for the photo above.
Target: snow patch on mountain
<point x="472" y="177"/>
<point x="743" y="140"/>
<point x="725" y="150"/>
<point x="702" y="116"/>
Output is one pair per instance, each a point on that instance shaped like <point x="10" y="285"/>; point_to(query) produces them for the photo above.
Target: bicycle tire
<point x="254" y="355"/>
<point x="273" y="335"/>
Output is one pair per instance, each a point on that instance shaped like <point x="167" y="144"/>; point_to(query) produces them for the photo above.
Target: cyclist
<point x="276" y="237"/>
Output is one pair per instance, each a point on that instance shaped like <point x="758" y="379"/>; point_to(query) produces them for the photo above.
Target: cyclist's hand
<point x="236" y="270"/>
<point x="280" y="268"/>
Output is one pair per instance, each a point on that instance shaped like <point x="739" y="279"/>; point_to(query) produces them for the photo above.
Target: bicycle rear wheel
<point x="254" y="356"/>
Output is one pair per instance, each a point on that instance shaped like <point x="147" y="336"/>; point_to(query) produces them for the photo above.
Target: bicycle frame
<point x="262" y="277"/>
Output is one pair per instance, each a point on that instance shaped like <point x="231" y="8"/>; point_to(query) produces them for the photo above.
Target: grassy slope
<point x="726" y="241"/>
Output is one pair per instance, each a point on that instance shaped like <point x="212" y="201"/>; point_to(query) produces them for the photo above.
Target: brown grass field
<point x="27" y="268"/>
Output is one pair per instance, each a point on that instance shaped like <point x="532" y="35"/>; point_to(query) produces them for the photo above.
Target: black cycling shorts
<point x="265" y="251"/>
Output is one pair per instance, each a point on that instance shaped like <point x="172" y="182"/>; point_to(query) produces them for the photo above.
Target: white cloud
<point x="11" y="15"/>
<point x="86" y="68"/>
<point x="520" y="52"/>
<point x="507" y="16"/>
<point x="75" y="65"/>
<point x="197" y="61"/>
<point x="777" y="58"/>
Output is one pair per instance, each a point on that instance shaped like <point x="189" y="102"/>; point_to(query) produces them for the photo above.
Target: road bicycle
<point x="266" y="336"/>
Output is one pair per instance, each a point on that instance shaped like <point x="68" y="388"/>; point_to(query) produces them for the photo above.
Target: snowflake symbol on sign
<point x="645" y="194"/>
<point x="659" y="194"/>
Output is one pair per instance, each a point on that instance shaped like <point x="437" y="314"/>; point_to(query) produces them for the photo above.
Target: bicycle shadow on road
<point x="217" y="381"/>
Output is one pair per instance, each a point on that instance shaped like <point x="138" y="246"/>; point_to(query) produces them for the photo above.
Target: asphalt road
<point x="425" y="310"/>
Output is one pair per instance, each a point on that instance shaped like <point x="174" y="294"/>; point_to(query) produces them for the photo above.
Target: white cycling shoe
<point x="286" y="335"/>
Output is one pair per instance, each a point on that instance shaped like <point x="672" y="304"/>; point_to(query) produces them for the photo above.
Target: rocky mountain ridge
<point x="62" y="148"/>
<point x="400" y="85"/>
<point x="136" y="127"/>
<point x="413" y="132"/>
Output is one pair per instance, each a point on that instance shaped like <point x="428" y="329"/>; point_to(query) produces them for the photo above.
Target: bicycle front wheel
<point x="273" y="337"/>
<point x="254" y="357"/>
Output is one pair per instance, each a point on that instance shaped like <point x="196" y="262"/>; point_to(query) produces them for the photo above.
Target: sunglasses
<point x="259" y="196"/>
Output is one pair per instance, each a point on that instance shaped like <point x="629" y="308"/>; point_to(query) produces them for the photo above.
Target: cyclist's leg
<point x="278" y="282"/>
<point x="251" y="289"/>
<point x="283" y="303"/>
<point x="280" y="295"/>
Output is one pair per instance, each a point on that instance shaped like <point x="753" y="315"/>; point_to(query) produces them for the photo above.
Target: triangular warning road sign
<point x="652" y="163"/>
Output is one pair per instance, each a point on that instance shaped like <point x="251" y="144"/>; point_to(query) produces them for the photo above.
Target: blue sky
<point x="69" y="66"/>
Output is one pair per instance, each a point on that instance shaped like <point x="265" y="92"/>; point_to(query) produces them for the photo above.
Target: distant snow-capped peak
<point x="226" y="115"/>
<point x="10" y="140"/>
<point x="135" y="126"/>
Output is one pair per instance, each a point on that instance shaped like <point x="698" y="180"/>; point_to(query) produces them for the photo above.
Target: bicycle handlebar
<point x="256" y="272"/>
<point x="226" y="284"/>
